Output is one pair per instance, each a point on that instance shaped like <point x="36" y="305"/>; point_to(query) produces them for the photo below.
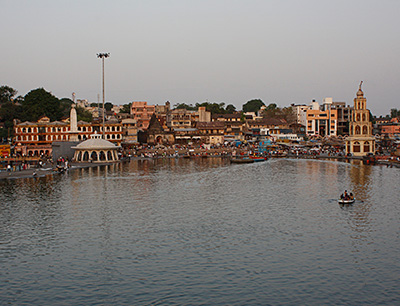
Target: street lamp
<point x="103" y="56"/>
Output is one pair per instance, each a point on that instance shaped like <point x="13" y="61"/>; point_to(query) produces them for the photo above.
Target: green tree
<point x="253" y="105"/>
<point x="394" y="113"/>
<point x="39" y="102"/>
<point x="108" y="106"/>
<point x="184" y="106"/>
<point x="8" y="112"/>
<point x="7" y="94"/>
<point x="83" y="114"/>
<point x="272" y="106"/>
<point x="230" y="109"/>
<point x="65" y="106"/>
<point x="214" y="108"/>
<point x="126" y="108"/>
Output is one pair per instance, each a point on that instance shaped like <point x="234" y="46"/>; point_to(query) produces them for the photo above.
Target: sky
<point x="193" y="51"/>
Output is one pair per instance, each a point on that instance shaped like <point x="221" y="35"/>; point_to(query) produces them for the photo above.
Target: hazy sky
<point x="281" y="51"/>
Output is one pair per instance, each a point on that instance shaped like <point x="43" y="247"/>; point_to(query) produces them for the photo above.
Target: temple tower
<point x="360" y="141"/>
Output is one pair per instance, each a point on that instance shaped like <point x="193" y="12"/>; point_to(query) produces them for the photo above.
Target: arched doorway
<point x="93" y="156"/>
<point x="102" y="156"/>
<point x="85" y="156"/>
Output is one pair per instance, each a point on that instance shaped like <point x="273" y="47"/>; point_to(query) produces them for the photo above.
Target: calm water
<point x="202" y="232"/>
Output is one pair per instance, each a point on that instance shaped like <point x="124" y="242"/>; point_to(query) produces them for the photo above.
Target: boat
<point x="258" y="158"/>
<point x="245" y="160"/>
<point x="346" y="201"/>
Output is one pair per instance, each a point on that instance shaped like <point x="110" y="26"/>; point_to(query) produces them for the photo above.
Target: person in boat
<point x="346" y="195"/>
<point x="351" y="196"/>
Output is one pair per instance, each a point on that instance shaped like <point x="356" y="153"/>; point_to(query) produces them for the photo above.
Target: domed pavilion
<point x="96" y="149"/>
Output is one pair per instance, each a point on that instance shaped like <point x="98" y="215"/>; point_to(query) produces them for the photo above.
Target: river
<point x="202" y="232"/>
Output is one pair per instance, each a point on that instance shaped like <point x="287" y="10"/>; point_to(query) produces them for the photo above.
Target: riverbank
<point x="148" y="155"/>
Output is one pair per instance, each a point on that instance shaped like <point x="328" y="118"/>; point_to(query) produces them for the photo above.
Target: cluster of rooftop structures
<point x="159" y="124"/>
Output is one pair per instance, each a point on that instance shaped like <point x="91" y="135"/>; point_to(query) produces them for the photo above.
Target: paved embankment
<point x="38" y="172"/>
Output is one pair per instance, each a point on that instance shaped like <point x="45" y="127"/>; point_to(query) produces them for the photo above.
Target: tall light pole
<point x="103" y="56"/>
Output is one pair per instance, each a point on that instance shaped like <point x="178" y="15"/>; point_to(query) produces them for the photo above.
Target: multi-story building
<point x="184" y="119"/>
<point x="265" y="127"/>
<point x="322" y="122"/>
<point x="343" y="114"/>
<point x="211" y="132"/>
<point x="234" y="125"/>
<point x="390" y="129"/>
<point x="129" y="132"/>
<point x="36" y="138"/>
<point x="299" y="111"/>
<point x="142" y="113"/>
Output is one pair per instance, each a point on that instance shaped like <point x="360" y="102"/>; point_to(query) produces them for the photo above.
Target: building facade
<point x="36" y="138"/>
<point x="142" y="113"/>
<point x="321" y="121"/>
<point x="360" y="141"/>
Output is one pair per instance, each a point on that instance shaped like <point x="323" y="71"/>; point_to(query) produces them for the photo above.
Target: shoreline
<point x="41" y="172"/>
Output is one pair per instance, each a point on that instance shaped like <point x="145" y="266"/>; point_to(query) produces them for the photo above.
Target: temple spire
<point x="360" y="92"/>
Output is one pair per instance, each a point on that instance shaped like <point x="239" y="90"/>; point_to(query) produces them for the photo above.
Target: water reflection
<point x="174" y="230"/>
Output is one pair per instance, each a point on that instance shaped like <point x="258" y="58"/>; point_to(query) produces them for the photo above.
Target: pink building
<point x="142" y="113"/>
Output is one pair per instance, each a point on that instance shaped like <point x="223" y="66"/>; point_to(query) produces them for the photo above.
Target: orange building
<point x="391" y="128"/>
<point x="142" y="113"/>
<point x="323" y="123"/>
<point x="36" y="138"/>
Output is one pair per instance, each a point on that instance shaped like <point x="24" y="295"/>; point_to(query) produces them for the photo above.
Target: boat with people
<point x="346" y="198"/>
<point x="349" y="201"/>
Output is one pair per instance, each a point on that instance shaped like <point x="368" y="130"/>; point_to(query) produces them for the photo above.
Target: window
<point x="356" y="147"/>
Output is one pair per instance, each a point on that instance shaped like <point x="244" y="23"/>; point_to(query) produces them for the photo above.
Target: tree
<point x="65" y="106"/>
<point x="126" y="108"/>
<point x="7" y="94"/>
<point x="230" y="109"/>
<point x="184" y="106"/>
<point x="39" y="102"/>
<point x="108" y="106"/>
<point x="253" y="105"/>
<point x="394" y="113"/>
<point x="214" y="108"/>
<point x="8" y="112"/>
<point x="83" y="114"/>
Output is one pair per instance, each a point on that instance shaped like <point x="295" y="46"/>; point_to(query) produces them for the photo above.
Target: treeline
<point x="214" y="108"/>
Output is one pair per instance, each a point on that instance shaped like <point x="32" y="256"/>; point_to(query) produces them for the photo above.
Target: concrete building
<point x="234" y="125"/>
<point x="343" y="114"/>
<point x="299" y="111"/>
<point x="36" y="138"/>
<point x="184" y="119"/>
<point x="211" y="132"/>
<point x="142" y="113"/>
<point x="321" y="121"/>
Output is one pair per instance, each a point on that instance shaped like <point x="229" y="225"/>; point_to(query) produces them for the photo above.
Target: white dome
<point x="96" y="143"/>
